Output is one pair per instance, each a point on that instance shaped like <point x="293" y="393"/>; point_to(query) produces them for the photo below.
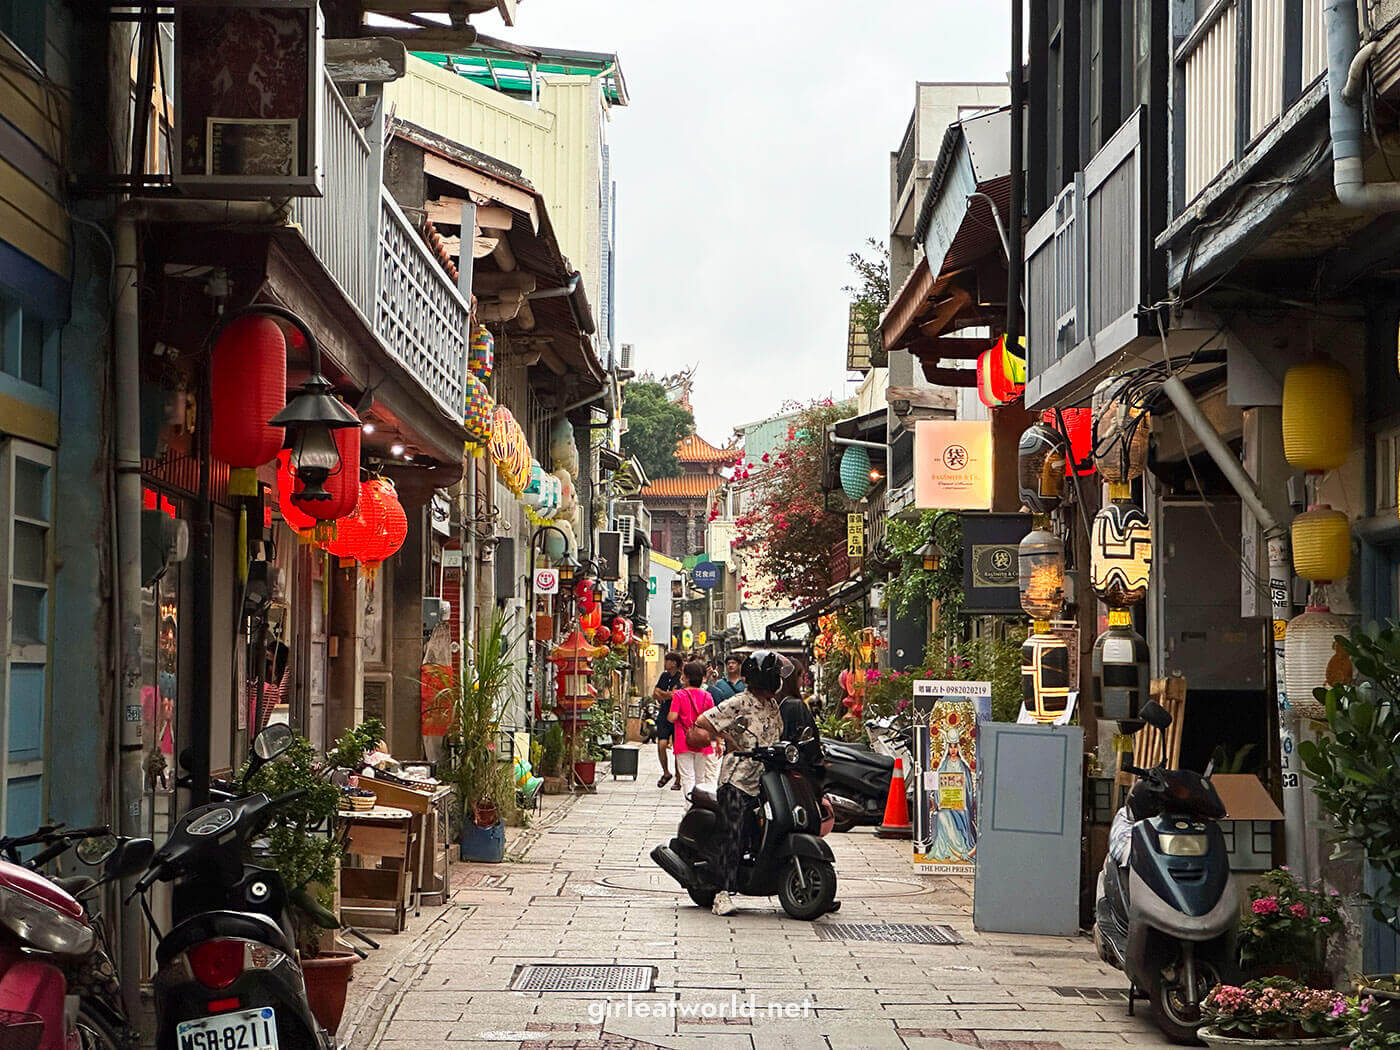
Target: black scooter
<point x="790" y="858"/>
<point x="1166" y="913"/>
<point x="227" y="971"/>
<point x="857" y="783"/>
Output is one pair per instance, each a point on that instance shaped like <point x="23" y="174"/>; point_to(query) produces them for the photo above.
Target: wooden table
<point x="429" y="859"/>
<point x="377" y="891"/>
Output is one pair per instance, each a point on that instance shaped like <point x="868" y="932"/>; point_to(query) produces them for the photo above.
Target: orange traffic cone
<point x="896" y="822"/>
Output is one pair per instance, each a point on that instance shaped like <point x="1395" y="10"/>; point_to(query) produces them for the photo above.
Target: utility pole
<point x="1018" y="182"/>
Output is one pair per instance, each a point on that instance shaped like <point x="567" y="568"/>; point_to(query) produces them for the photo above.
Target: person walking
<point x="668" y="683"/>
<point x="694" y="765"/>
<point x="732" y="684"/>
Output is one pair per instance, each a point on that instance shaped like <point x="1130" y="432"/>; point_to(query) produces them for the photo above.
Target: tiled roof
<point x="694" y="449"/>
<point x="687" y="486"/>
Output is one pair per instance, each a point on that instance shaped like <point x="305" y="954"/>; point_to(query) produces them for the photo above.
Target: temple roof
<point x="694" y="449"/>
<point x="686" y="486"/>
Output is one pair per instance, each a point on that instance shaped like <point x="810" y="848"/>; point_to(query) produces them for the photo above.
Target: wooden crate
<point x="396" y="797"/>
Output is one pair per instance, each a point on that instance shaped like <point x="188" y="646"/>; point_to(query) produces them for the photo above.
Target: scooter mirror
<point x="340" y="779"/>
<point x="272" y="741"/>
<point x="96" y="848"/>
<point x="1155" y="715"/>
<point x="131" y="857"/>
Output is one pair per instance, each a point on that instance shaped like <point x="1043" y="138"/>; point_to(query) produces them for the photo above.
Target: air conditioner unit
<point x="627" y="526"/>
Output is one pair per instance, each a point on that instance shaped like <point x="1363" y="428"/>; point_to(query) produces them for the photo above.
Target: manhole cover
<point x="1094" y="994"/>
<point x="893" y="932"/>
<point x="563" y="977"/>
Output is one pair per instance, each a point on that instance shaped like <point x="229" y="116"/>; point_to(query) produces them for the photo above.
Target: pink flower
<point x="872" y="675"/>
<point x="1299" y="911"/>
<point x="1323" y="918"/>
<point x="1265" y="906"/>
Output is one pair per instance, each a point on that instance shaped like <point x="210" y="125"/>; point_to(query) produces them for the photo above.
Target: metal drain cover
<point x="1098" y="994"/>
<point x="893" y="932"/>
<point x="562" y="977"/>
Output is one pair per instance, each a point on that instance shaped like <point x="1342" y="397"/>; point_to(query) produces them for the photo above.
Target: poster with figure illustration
<point x="945" y="774"/>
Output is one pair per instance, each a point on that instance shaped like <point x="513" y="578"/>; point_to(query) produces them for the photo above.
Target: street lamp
<point x="932" y="555"/>
<point x="567" y="564"/>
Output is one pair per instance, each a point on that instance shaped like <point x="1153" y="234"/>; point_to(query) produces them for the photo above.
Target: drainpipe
<point x="1280" y="574"/>
<point x="1345" y="59"/>
<point x="126" y="339"/>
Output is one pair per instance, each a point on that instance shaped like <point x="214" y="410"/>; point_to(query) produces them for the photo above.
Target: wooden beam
<point x="366" y="60"/>
<point x="553" y="361"/>
<point x="506" y="308"/>
<point x="444" y="39"/>
<point x="505" y="255"/>
<point x="526" y="317"/>
<point x="439" y="7"/>
<point x="483" y="185"/>
<point x="481" y="246"/>
<point x="964" y="377"/>
<point x="492" y="283"/>
<point x="957" y="348"/>
<point x="447" y="211"/>
<point x="945" y="311"/>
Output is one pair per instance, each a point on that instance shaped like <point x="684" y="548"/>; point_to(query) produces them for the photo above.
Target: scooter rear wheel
<point x="96" y="1033"/>
<point x="1178" y="1020"/>
<point x="810" y="901"/>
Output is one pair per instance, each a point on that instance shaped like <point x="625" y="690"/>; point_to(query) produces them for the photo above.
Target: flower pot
<point x="1386" y="1010"/>
<point x="485" y="813"/>
<point x="1321" y="979"/>
<point x="586" y="770"/>
<point x="327" y="977"/>
<point x="487" y="845"/>
<point x="1211" y="1037"/>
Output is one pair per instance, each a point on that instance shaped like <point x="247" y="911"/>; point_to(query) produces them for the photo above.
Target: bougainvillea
<point x="787" y="528"/>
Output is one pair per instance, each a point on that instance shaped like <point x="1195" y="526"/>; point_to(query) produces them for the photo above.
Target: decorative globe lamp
<point x="1120" y="564"/>
<point x="1040" y="468"/>
<point x="1321" y="539"/>
<point x="1122" y="427"/>
<point x="1045" y="677"/>
<point x="855" y="472"/>
<point x="1121" y="673"/>
<point x="1041" y="558"/>
<point x="1317" y="406"/>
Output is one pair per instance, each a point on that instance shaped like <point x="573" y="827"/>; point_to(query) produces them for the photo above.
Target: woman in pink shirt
<point x="692" y="766"/>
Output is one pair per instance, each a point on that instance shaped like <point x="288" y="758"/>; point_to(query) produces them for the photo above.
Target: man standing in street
<point x="732" y="684"/>
<point x="668" y="683"/>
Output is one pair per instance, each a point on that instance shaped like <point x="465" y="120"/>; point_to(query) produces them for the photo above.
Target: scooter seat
<point x="702" y="797"/>
<point x="846" y="753"/>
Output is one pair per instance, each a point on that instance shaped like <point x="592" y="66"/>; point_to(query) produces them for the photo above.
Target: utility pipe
<point x="1344" y="51"/>
<point x="1280" y="574"/>
<point x="835" y="440"/>
<point x="1015" y="247"/>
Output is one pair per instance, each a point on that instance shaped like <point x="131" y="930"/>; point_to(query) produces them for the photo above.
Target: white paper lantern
<point x="1307" y="648"/>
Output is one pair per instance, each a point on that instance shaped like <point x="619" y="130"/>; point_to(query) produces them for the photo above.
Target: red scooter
<point x="45" y="934"/>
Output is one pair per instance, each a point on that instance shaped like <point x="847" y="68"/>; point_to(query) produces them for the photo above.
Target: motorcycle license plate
<point x="244" y="1030"/>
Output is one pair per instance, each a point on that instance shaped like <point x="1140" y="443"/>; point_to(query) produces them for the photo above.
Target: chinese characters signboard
<point x="953" y="464"/>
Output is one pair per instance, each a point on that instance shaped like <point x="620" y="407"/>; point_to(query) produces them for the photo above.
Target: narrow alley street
<point x="580" y="889"/>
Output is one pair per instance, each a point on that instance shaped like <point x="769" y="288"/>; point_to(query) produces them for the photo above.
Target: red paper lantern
<point x="986" y="390"/>
<point x="353" y="533"/>
<point x="586" y="591"/>
<point x="1079" y="425"/>
<point x="621" y="632"/>
<point x="590" y="620"/>
<point x="384" y="543"/>
<point x="248" y="386"/>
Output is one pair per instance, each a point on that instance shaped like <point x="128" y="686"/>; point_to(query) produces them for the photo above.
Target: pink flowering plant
<point x="1277" y="1008"/>
<point x="1288" y="924"/>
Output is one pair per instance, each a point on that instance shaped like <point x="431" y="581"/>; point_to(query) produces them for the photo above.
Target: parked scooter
<point x="227" y="971"/>
<point x="1166" y="909"/>
<point x="858" y="777"/>
<point x="790" y="858"/>
<point x="53" y="955"/>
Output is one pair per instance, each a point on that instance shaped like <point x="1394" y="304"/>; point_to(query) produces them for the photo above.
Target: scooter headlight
<point x="790" y="754"/>
<point x="42" y="926"/>
<point x="1184" y="845"/>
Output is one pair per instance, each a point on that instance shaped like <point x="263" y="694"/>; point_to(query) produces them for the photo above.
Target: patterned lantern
<point x="1042" y="570"/>
<point x="1040" y="468"/>
<point x="479" y="416"/>
<point x="384" y="543"/>
<point x="1079" y="428"/>
<point x="1121" y="672"/>
<point x="1307" y="648"/>
<point x="248" y="386"/>
<point x="855" y="472"/>
<point x="555" y="545"/>
<point x="1001" y="374"/>
<point x="1321" y="540"/>
<point x="1316" y="415"/>
<point x="481" y="355"/>
<point x="1045" y="677"/>
<point x="1121" y="555"/>
<point x="591" y="620"/>
<point x="343" y="485"/>
<point x="621" y="632"/>
<point x="586" y="591"/>
<point x="1121" y="430"/>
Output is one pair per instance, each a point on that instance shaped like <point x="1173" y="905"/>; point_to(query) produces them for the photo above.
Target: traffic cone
<point x="896" y="822"/>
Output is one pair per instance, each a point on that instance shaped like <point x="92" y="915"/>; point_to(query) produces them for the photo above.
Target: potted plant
<point x="1276" y="1011"/>
<point x="305" y="852"/>
<point x="1383" y="993"/>
<point x="552" y="759"/>
<point x="1352" y="762"/>
<point x="1287" y="929"/>
<point x="484" y="785"/>
<point x="349" y="751"/>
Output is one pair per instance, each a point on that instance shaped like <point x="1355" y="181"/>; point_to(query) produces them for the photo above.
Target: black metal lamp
<point x="932" y="555"/>
<point x="567" y="566"/>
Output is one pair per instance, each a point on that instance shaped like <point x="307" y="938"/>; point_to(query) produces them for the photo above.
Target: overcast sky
<point x="753" y="159"/>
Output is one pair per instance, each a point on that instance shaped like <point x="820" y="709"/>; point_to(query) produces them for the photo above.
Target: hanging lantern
<point x="1079" y="431"/>
<point x="479" y="417"/>
<point x="1042" y="568"/>
<point x="1121" y="673"/>
<point x="1122" y="427"/>
<point x="1317" y="415"/>
<point x="591" y="620"/>
<point x="248" y="386"/>
<point x="1321" y="540"/>
<point x="1045" y="677"/>
<point x="353" y="533"/>
<point x="987" y="389"/>
<point x="1121" y="555"/>
<point x="1005" y="373"/>
<point x="344" y="487"/>
<point x="621" y="632"/>
<point x="481" y="355"/>
<point x="855" y="472"/>
<point x="1040" y="468"/>
<point x="555" y="545"/>
<point x="586" y="591"/>
<point x="385" y="543"/>
<point x="1307" y="648"/>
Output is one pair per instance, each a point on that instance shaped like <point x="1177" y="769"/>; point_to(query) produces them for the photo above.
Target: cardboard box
<point x="1248" y="823"/>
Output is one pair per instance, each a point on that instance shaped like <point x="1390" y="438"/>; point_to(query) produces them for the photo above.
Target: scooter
<point x="49" y="946"/>
<point x="1166" y="910"/>
<point x="790" y="858"/>
<point x="228" y="975"/>
<point x="857" y="783"/>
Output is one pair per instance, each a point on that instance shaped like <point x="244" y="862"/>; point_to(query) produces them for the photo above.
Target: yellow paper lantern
<point x="1120" y="548"/>
<point x="1045" y="677"/>
<point x="1317" y="415"/>
<point x="1321" y="544"/>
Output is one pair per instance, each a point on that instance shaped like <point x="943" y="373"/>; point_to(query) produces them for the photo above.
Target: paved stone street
<point x="581" y="889"/>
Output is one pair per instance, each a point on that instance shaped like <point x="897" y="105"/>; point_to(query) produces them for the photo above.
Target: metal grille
<point x="1092" y="994"/>
<point x="892" y="932"/>
<point x="561" y="977"/>
<point x="581" y="831"/>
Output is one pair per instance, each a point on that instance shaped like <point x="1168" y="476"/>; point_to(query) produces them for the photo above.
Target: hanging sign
<point x="953" y="464"/>
<point x="991" y="576"/>
<point x="945" y="774"/>
<point x="687" y="639"/>
<point x="705" y="575"/>
<point x="546" y="581"/>
<point x="855" y="535"/>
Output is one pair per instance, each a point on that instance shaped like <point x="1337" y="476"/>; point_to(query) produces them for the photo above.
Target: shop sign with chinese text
<point x="953" y="464"/>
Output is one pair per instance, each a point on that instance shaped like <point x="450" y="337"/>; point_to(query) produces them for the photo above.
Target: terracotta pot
<point x="586" y="771"/>
<point x="327" y="978"/>
<point x="1213" y="1038"/>
<point x="485" y="814"/>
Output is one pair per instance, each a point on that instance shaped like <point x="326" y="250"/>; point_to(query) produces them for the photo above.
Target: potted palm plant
<point x="485" y="786"/>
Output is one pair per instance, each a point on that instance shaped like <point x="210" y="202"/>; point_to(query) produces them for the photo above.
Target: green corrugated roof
<point x="512" y="72"/>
